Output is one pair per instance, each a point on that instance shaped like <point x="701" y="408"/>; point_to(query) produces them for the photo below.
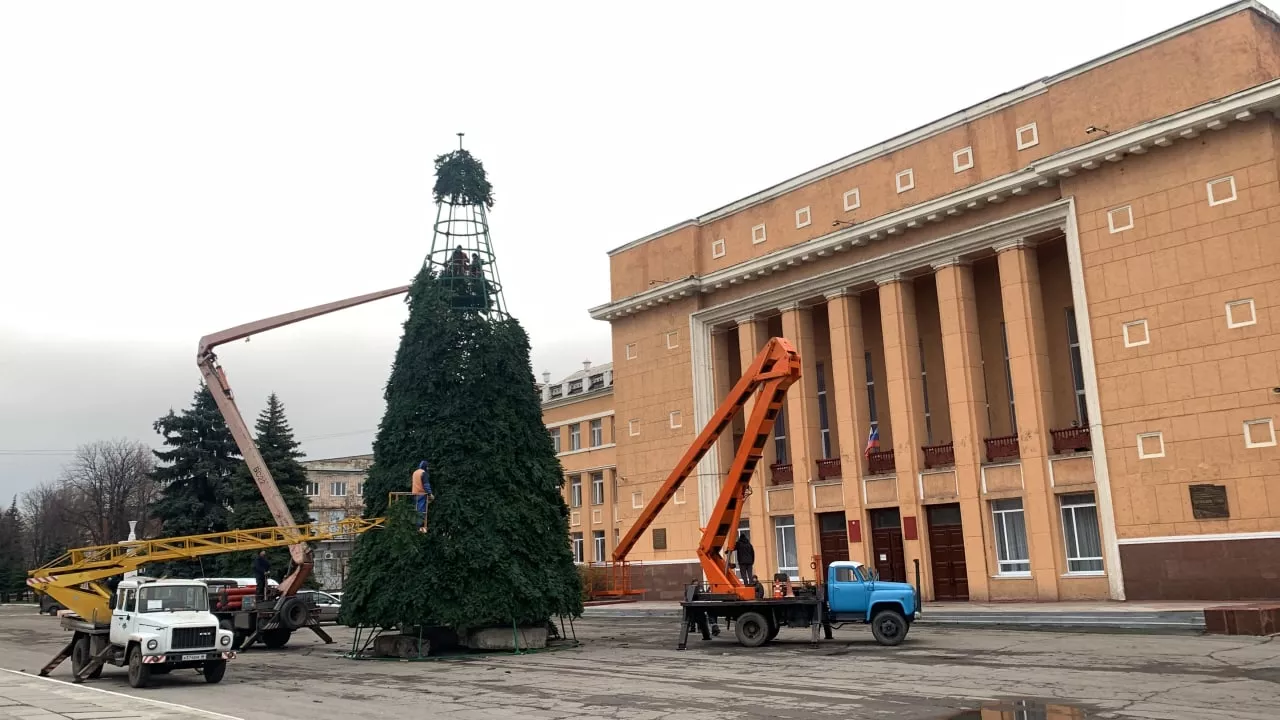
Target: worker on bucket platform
<point x="422" y="492"/>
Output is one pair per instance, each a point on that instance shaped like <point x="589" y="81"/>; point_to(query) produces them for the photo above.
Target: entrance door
<point x="946" y="553"/>
<point x="833" y="539"/>
<point x="886" y="544"/>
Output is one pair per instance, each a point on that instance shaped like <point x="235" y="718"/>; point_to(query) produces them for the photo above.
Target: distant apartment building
<point x="335" y="490"/>
<point x="578" y="412"/>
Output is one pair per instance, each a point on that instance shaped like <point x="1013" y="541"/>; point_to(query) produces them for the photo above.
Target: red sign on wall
<point x="909" y="528"/>
<point x="855" y="531"/>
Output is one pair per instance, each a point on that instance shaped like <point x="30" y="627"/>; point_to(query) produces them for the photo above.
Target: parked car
<point x="328" y="604"/>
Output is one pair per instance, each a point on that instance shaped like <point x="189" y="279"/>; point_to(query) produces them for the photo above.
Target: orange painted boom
<point x="772" y="372"/>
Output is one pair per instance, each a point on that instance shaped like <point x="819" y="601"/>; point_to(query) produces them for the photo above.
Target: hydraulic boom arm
<point x="216" y="379"/>
<point x="774" y="370"/>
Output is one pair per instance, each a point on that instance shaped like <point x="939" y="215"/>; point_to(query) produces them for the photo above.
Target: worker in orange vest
<point x="422" y="492"/>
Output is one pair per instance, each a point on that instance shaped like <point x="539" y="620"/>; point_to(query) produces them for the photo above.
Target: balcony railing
<point x="1002" y="448"/>
<point x="781" y="474"/>
<point x="937" y="456"/>
<point x="880" y="462"/>
<point x="829" y="469"/>
<point x="1072" y="439"/>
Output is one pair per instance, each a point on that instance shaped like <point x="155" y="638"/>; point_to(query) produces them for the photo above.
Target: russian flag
<point x="873" y="441"/>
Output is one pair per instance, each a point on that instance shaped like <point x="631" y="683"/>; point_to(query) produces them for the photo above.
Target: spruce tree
<point x="462" y="396"/>
<point x="274" y="438"/>
<point x="194" y="475"/>
<point x="13" y="576"/>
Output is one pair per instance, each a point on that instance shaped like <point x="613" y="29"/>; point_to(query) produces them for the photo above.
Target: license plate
<point x="187" y="658"/>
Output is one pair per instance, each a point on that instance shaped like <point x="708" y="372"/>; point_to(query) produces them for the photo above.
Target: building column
<point x="752" y="336"/>
<point x="906" y="408"/>
<point x="723" y="381"/>
<point x="966" y="390"/>
<point x="803" y="431"/>
<point x="1033" y="403"/>
<point x="849" y="399"/>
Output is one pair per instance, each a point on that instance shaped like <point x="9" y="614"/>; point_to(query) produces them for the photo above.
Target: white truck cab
<point x="158" y="626"/>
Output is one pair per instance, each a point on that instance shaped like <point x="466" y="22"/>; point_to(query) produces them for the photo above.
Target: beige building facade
<point x="1056" y="310"/>
<point x="335" y="490"/>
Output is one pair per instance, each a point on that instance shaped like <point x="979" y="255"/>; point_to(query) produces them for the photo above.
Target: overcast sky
<point x="171" y="169"/>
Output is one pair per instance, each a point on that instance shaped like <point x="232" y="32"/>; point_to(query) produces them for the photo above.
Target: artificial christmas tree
<point x="462" y="396"/>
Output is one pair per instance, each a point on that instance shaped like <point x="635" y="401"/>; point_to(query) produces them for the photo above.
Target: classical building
<point x="578" y="412"/>
<point x="1058" y="310"/>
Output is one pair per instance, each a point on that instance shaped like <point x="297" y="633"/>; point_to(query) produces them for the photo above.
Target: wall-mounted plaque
<point x="1209" y="502"/>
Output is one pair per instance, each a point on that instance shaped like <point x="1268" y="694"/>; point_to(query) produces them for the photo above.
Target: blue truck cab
<point x="854" y="594"/>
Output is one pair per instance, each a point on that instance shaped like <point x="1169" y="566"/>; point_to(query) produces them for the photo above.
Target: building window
<point x="575" y="436"/>
<point x="596" y="382"/>
<point x="962" y="159"/>
<point x="784" y="538"/>
<point x="338" y="489"/>
<point x="360" y="488"/>
<point x="637" y="499"/>
<point x="824" y="420"/>
<point x="597" y="541"/>
<point x="557" y="391"/>
<point x="871" y="394"/>
<point x="1010" y="528"/>
<point x="852" y="200"/>
<point x="575" y="386"/>
<point x="1120" y="219"/>
<point x="577" y="548"/>
<point x="1080" y="533"/>
<point x="1150" y="445"/>
<point x="1028" y="136"/>
<point x="1221" y="191"/>
<point x="1259" y="433"/>
<point x="633" y="427"/>
<point x="905" y="180"/>
<point x="597" y="488"/>
<point x="1008" y="379"/>
<point x="780" y="436"/>
<point x="630" y="351"/>
<point x="757" y="234"/>
<point x="597" y="432"/>
<point x="315" y="517"/>
<point x="675" y="419"/>
<point x="1241" y="313"/>
<point x="673" y="339"/>
<point x="1135" y="333"/>
<point x="555" y="438"/>
<point x="803" y="217"/>
<point x="575" y="491"/>
<point x="313" y="489"/>
<point x="678" y="497"/>
<point x="717" y="248"/>
<point x="659" y="538"/>
<point x="1077" y="369"/>
<point x="924" y="383"/>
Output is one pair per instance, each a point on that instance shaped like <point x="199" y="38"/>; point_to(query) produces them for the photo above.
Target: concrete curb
<point x="1157" y="623"/>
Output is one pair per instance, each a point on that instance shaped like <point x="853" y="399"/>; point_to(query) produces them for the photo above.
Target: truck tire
<point x="139" y="674"/>
<point x="752" y="629"/>
<point x="293" y="613"/>
<point x="276" y="639"/>
<point x="214" y="670"/>
<point x="889" y="627"/>
<point x="81" y="656"/>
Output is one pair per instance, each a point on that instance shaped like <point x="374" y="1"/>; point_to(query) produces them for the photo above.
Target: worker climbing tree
<point x="461" y="395"/>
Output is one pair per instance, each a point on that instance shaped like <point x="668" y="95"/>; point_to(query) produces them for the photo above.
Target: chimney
<point x="546" y="378"/>
<point x="586" y="365"/>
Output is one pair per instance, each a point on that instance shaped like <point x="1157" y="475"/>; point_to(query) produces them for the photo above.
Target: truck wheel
<point x="139" y="674"/>
<point x="81" y="656"/>
<point x="752" y="629"/>
<point x="276" y="639"/>
<point x="214" y="670"/>
<point x="889" y="627"/>
<point x="293" y="613"/>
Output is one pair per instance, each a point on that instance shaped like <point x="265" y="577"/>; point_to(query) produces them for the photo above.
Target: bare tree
<point x="109" y="483"/>
<point x="46" y="511"/>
